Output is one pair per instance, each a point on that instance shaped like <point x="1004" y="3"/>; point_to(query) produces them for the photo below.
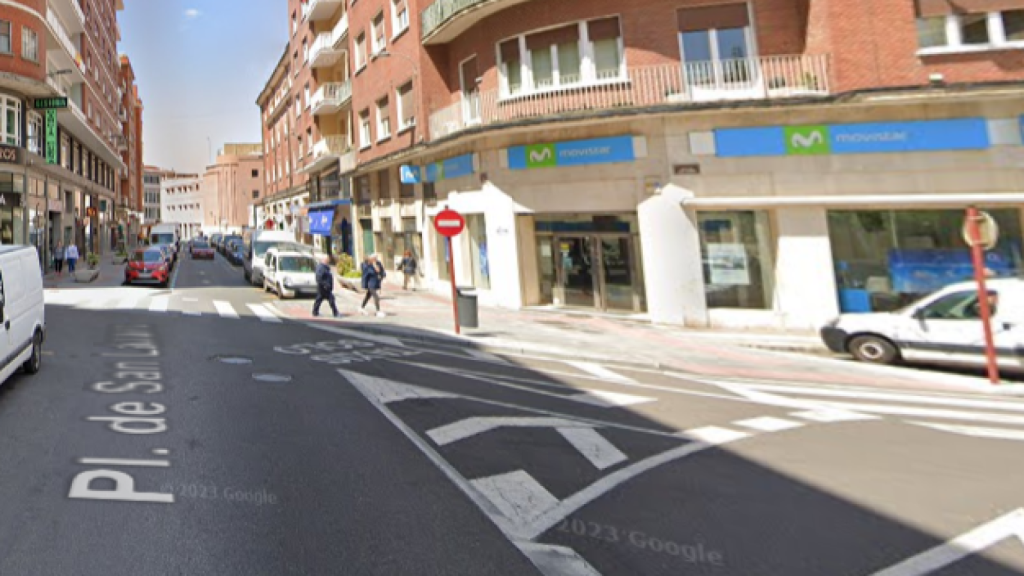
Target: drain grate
<point x="268" y="377"/>
<point x="234" y="360"/>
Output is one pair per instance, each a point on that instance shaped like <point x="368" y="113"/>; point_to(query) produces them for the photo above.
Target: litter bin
<point x="468" y="317"/>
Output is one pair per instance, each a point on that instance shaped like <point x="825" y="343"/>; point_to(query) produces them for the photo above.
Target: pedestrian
<point x="408" y="268"/>
<point x="373" y="277"/>
<point x="71" y="255"/>
<point x="58" y="259"/>
<point x="324" y="287"/>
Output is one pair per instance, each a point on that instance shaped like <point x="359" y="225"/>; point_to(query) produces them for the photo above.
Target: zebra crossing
<point x="158" y="302"/>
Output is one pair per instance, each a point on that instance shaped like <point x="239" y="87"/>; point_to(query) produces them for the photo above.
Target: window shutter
<point x="718" y="17"/>
<point x="605" y="29"/>
<point x="510" y="50"/>
<point x="408" y="104"/>
<point x="542" y="40"/>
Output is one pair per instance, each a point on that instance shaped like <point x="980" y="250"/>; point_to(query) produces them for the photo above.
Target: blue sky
<point x="199" y="65"/>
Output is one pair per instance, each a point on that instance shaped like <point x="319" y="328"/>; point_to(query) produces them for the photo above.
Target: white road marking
<point x="481" y="355"/>
<point x="832" y="415"/>
<point x="557" y="560"/>
<point x="128" y="304"/>
<point x="389" y="340"/>
<point x="191" y="313"/>
<point x="976" y="431"/>
<point x="159" y="304"/>
<point x="225" y="309"/>
<point x="190" y="299"/>
<point x="607" y="399"/>
<point x="517" y="495"/>
<point x="769" y="424"/>
<point x="600" y="371"/>
<point x="263" y="314"/>
<point x="1009" y="526"/>
<point x="387" y="391"/>
<point x="470" y="427"/>
<point x="594" y="447"/>
<point x="939" y="413"/>
<point x="908" y="398"/>
<point x="713" y="434"/>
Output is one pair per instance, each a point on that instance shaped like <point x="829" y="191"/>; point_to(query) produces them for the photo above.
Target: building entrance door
<point x="590" y="271"/>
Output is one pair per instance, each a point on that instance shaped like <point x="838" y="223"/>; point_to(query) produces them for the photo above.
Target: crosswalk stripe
<point x="938" y="413"/>
<point x="225" y="309"/>
<point x="832" y="415"/>
<point x="769" y="424"/>
<point x="594" y="447"/>
<point x="600" y="371"/>
<point x="128" y="304"/>
<point x="888" y="396"/>
<point x="263" y="314"/>
<point x="977" y="431"/>
<point x="159" y="304"/>
<point x="713" y="434"/>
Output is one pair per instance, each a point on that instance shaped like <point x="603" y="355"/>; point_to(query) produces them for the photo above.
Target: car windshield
<point x="297" y="264"/>
<point x="262" y="247"/>
<point x="148" y="256"/>
<point x="200" y="245"/>
<point x="162" y="239"/>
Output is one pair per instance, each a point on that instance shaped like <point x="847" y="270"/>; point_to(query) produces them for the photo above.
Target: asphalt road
<point x="197" y="430"/>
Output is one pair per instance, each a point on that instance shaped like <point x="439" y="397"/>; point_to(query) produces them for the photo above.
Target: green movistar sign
<point x="807" y="140"/>
<point x="541" y="156"/>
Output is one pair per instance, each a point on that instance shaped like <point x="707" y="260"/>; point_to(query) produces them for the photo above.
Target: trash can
<point x="468" y="317"/>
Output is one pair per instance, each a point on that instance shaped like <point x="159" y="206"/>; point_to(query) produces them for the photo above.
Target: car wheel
<point x="280" y="293"/>
<point x="35" y="361"/>
<point x="874" y="349"/>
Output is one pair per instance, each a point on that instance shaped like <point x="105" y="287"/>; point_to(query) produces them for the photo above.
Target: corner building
<point x="767" y="163"/>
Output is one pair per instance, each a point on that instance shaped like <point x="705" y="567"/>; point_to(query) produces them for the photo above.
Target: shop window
<point x="887" y="259"/>
<point x="737" y="261"/>
<point x="476" y="245"/>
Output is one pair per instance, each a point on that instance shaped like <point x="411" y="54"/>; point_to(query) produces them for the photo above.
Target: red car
<point x="147" y="266"/>
<point x="201" y="249"/>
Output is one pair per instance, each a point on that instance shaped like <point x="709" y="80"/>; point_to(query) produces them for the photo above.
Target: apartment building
<point x="151" y="178"/>
<point x="233" y="185"/>
<point x="59" y="164"/>
<point x="182" y="201"/>
<point x="130" y="202"/>
<point x="763" y="163"/>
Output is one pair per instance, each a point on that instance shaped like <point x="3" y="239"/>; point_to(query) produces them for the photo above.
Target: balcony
<point x="331" y="97"/>
<point x="318" y="10"/>
<point x="70" y="13"/>
<point x="445" y="20"/>
<point x="323" y="53"/>
<point x="340" y="31"/>
<point x="62" y="48"/>
<point x="766" y="78"/>
<point x="329" y="149"/>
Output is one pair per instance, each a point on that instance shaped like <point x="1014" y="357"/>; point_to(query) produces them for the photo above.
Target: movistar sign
<point x="574" y="153"/>
<point x="866" y="138"/>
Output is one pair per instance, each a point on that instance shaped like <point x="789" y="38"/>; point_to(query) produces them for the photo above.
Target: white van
<point x="165" y="235"/>
<point x="22" y="322"/>
<point x="257" y="242"/>
<point x="289" y="273"/>
<point x="944" y="327"/>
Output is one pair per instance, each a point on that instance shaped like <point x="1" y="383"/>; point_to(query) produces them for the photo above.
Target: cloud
<point x="192" y="13"/>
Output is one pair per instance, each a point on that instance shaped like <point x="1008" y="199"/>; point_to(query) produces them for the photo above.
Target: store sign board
<point x="320" y="222"/>
<point x="410" y="174"/>
<point x="863" y="138"/>
<point x="574" y="153"/>
<point x="10" y="199"/>
<point x="456" y="167"/>
<point x="54" y="103"/>
<point x="51" y="137"/>
<point x="9" y="154"/>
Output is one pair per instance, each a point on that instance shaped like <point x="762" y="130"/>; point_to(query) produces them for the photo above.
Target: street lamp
<point x="415" y="80"/>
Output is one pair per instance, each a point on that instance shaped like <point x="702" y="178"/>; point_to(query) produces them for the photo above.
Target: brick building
<point x="131" y="204"/>
<point x="691" y="161"/>
<point x="232" y="186"/>
<point x="59" y="48"/>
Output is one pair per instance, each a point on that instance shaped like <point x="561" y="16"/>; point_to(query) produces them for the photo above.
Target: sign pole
<point x="978" y="258"/>
<point x="451" y="274"/>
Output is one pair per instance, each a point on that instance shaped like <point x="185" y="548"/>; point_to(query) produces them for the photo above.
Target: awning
<point x="330" y="204"/>
<point x="321" y="221"/>
<point x="887" y="200"/>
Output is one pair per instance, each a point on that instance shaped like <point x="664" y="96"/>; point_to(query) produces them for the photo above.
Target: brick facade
<point x="15" y="62"/>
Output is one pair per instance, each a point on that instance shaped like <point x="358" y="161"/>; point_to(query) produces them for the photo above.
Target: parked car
<point x="944" y="327"/>
<point x="289" y="273"/>
<point x="22" y="312"/>
<point x="237" y="253"/>
<point x="148" y="266"/>
<point x="226" y="241"/>
<point x="201" y="249"/>
<point x="215" y="239"/>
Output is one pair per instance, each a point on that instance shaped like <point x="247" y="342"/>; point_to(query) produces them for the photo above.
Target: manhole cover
<point x="236" y="360"/>
<point x="266" y="377"/>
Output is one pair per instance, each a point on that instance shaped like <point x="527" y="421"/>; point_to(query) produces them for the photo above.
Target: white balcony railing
<point x="62" y="34"/>
<point x="441" y="11"/>
<point x="77" y="10"/>
<point x="340" y="30"/>
<point x="330" y="97"/>
<point x="330" y="146"/>
<point x="763" y="78"/>
<point x="323" y="52"/>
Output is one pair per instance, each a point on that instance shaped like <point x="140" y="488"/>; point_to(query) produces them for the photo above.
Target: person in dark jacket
<point x="373" y="277"/>
<point x="324" y="287"/>
<point x="408" y="268"/>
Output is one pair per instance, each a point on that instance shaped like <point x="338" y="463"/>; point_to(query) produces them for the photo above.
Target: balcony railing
<point x="330" y="146"/>
<point x="441" y="11"/>
<point x="77" y="9"/>
<point x="347" y="161"/>
<point x="764" y="78"/>
<point x="340" y="30"/>
<point x="323" y="52"/>
<point x="62" y="34"/>
<point x="321" y="9"/>
<point x="330" y="97"/>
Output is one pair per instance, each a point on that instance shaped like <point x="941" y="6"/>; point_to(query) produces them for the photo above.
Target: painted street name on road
<point x="345" y="351"/>
<point x="137" y="371"/>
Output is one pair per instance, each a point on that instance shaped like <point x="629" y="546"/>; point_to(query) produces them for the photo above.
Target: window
<point x="941" y="30"/>
<point x="295" y="23"/>
<point x="736" y="252"/>
<point x="385" y="186"/>
<point x="298" y="109"/>
<point x="400" y="17"/>
<point x="378" y="33"/>
<point x="406" y="106"/>
<point x="361" y="51"/>
<point x="306" y="93"/>
<point x="364" y="129"/>
<point x="5" y="37"/>
<point x="429" y="193"/>
<point x="309" y="138"/>
<point x="383" y="120"/>
<point x="255" y="194"/>
<point x="305" y="50"/>
<point x="716" y="44"/>
<point x="35" y="133"/>
<point x="11" y="121"/>
<point x="255" y="172"/>
<point x="29" y="45"/>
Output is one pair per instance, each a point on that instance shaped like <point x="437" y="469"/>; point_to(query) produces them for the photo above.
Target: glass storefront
<point x="735" y="249"/>
<point x="476" y="245"/>
<point x="885" y="259"/>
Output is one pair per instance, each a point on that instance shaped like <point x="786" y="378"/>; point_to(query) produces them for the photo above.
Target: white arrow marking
<point x="1000" y="433"/>
<point x="1010" y="525"/>
<point x="386" y="391"/>
<point x="594" y="447"/>
<point x="477" y="425"/>
<point x="389" y="340"/>
<point x="551" y="559"/>
<point x="601" y="372"/>
<point x="517" y="495"/>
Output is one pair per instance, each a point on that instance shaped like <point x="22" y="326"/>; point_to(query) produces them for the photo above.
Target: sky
<point x="200" y="65"/>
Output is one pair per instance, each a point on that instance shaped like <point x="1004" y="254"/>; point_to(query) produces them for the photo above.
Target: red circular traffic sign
<point x="449" y="223"/>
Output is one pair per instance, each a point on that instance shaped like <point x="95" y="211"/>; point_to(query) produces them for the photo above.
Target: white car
<point x="289" y="273"/>
<point x="944" y="327"/>
<point x="22" y="318"/>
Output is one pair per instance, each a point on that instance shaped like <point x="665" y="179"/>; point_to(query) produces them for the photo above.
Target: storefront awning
<point x="889" y="200"/>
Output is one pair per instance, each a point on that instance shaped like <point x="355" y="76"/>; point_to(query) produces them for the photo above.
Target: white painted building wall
<point x="182" y="202"/>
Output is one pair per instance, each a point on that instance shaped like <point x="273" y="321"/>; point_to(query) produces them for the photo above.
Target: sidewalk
<point x="111" y="275"/>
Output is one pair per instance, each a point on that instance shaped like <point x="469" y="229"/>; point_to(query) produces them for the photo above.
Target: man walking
<point x="324" y="287"/>
<point x="373" y="277"/>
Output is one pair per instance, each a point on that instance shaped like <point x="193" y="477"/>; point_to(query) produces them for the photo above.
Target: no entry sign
<point x="449" y="223"/>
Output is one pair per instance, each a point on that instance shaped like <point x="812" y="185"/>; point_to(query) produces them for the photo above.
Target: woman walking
<point x="373" y="277"/>
<point x="58" y="259"/>
<point x="408" y="268"/>
<point x="71" y="254"/>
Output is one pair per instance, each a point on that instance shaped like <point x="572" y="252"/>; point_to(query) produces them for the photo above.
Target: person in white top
<point x="71" y="255"/>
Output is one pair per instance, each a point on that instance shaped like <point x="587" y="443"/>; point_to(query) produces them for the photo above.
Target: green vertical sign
<point x="51" y="137"/>
<point x="807" y="140"/>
